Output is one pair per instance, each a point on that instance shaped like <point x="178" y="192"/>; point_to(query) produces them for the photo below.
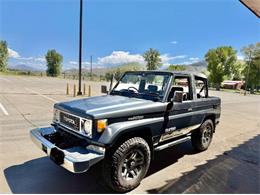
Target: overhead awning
<point x="253" y="5"/>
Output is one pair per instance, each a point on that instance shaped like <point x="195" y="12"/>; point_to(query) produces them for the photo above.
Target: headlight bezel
<point x="56" y="115"/>
<point x="86" y="126"/>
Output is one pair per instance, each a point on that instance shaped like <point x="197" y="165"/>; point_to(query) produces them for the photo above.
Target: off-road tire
<point x="115" y="161"/>
<point x="198" y="139"/>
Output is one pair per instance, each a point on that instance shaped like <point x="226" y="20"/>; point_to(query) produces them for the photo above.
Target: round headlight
<point x="87" y="126"/>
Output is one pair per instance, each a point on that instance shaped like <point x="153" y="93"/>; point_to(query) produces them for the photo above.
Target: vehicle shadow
<point x="41" y="175"/>
<point x="169" y="156"/>
<point x="233" y="172"/>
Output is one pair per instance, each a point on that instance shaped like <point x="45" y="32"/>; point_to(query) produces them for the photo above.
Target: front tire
<point x="202" y="137"/>
<point x="124" y="168"/>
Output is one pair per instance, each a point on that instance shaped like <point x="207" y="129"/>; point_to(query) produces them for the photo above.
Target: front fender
<point x="113" y="131"/>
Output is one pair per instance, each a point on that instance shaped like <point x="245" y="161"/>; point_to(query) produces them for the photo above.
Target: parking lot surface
<point x="230" y="165"/>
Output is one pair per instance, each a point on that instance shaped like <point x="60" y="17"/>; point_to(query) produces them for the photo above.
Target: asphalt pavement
<point x="230" y="165"/>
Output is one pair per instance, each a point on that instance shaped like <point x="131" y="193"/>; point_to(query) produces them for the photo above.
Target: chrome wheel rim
<point x="206" y="135"/>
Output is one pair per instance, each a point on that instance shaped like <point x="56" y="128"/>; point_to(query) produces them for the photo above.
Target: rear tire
<point x="202" y="137"/>
<point x="126" y="166"/>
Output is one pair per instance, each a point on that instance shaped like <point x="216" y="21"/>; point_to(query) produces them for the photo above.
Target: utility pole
<point x="91" y="67"/>
<point x="248" y="70"/>
<point x="80" y="46"/>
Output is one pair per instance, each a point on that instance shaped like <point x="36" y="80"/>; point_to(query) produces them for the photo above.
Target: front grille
<point x="70" y="121"/>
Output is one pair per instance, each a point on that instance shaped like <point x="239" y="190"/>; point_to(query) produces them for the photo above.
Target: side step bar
<point x="175" y="142"/>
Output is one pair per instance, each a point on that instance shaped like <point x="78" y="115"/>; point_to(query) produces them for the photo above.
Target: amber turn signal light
<point x="101" y="125"/>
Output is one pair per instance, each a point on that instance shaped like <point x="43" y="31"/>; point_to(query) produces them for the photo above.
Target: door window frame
<point x="189" y="79"/>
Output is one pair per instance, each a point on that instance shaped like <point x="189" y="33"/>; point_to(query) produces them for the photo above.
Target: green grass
<point x="26" y="73"/>
<point x="43" y="74"/>
<point x="231" y="90"/>
<point x="238" y="91"/>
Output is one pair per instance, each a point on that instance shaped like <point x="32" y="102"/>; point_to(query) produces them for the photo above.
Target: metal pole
<point x="80" y="46"/>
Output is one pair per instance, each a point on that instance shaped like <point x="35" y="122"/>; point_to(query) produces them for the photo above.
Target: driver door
<point x="180" y="116"/>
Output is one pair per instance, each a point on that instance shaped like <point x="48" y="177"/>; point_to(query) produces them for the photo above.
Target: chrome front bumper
<point x="75" y="159"/>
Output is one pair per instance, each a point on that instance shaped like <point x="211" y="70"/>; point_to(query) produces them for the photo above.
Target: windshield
<point x="145" y="85"/>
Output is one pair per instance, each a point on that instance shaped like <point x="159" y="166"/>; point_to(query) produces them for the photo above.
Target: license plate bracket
<point x="57" y="156"/>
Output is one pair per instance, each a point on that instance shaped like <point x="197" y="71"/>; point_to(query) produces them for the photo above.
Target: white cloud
<point x="240" y="57"/>
<point x="12" y="53"/>
<point x="25" y="58"/>
<point x="34" y="62"/>
<point x="194" y="59"/>
<point x="179" y="57"/>
<point x="40" y="59"/>
<point x="73" y="62"/>
<point x="86" y="63"/>
<point x="37" y="59"/>
<point x="166" y="58"/>
<point x="185" y="63"/>
<point x="17" y="59"/>
<point x="120" y="57"/>
<point x="189" y="61"/>
<point x="174" y="42"/>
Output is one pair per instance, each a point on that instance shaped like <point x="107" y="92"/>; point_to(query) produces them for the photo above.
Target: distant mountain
<point x="103" y="71"/>
<point x="23" y="67"/>
<point x="197" y="67"/>
<point x="200" y="63"/>
<point x="194" y="67"/>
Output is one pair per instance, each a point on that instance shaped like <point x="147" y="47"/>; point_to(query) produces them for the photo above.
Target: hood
<point x="110" y="106"/>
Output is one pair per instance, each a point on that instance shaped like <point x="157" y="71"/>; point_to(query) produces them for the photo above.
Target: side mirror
<point x="178" y="96"/>
<point x="104" y="89"/>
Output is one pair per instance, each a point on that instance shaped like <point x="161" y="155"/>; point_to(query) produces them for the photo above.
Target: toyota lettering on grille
<point x="69" y="120"/>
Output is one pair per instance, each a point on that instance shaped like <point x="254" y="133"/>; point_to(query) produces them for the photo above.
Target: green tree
<point x="131" y="66"/>
<point x="252" y="67"/>
<point x="173" y="67"/>
<point x="221" y="62"/>
<point x="120" y="70"/>
<point x="108" y="76"/>
<point x="152" y="58"/>
<point x="3" y="55"/>
<point x="118" y="74"/>
<point x="54" y="63"/>
<point x="237" y="70"/>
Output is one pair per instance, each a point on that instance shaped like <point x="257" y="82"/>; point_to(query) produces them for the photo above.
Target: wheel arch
<point x="143" y="132"/>
<point x="212" y="117"/>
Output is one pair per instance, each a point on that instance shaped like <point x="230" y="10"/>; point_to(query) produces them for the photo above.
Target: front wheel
<point x="124" y="169"/>
<point x="202" y="137"/>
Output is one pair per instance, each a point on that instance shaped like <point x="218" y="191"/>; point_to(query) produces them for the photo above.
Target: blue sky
<point x="119" y="31"/>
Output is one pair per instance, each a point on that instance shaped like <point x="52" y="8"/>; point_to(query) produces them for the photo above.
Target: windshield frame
<point x="163" y="99"/>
